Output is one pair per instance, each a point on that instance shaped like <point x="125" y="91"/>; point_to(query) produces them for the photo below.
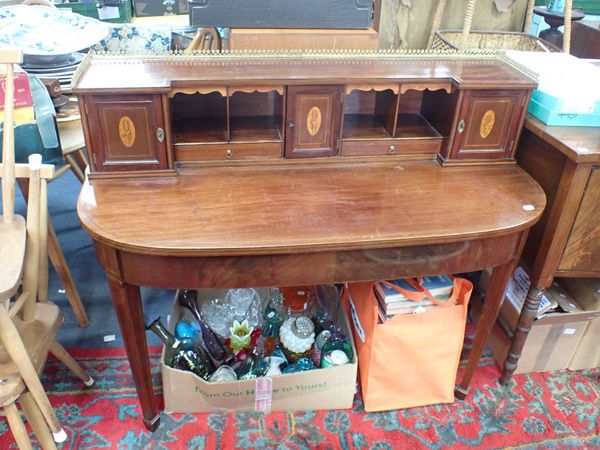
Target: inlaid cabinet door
<point x="127" y="132"/>
<point x="488" y="124"/>
<point x="313" y="119"/>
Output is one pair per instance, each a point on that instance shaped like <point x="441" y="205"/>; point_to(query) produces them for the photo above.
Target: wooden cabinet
<point x="565" y="161"/>
<point x="313" y="121"/>
<point x="127" y="132"/>
<point x="488" y="124"/>
<point x="582" y="250"/>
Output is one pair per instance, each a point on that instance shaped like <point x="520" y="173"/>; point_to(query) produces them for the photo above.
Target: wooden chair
<point x="27" y="327"/>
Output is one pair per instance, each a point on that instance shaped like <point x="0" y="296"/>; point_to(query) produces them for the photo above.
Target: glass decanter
<point x="180" y="353"/>
<point x="188" y="299"/>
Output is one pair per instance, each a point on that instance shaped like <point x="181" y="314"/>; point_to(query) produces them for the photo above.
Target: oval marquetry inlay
<point x="487" y="123"/>
<point x="313" y="120"/>
<point x="126" y="131"/>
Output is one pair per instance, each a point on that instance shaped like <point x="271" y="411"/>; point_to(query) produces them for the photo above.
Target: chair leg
<point x="77" y="163"/>
<point x="59" y="351"/>
<point x="64" y="274"/>
<point x="18" y="353"/>
<point x="37" y="422"/>
<point x="60" y="266"/>
<point x="17" y="427"/>
<point x="42" y="291"/>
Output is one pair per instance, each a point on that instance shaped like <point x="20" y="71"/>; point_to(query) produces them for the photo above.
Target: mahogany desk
<point x="280" y="169"/>
<point x="289" y="224"/>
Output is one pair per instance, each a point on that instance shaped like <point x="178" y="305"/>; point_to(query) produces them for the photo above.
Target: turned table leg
<point x="526" y="319"/>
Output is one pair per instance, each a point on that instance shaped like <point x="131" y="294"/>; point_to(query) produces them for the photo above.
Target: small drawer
<point x="227" y="152"/>
<point x="391" y="147"/>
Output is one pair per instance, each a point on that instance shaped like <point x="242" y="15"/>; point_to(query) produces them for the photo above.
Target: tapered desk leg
<point x="128" y="306"/>
<point x="491" y="307"/>
<point x="528" y="313"/>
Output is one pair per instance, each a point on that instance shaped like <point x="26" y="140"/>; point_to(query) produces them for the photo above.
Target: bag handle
<point x="421" y="291"/>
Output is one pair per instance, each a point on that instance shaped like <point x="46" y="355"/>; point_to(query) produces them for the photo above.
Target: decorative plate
<point x="45" y="31"/>
<point x="71" y="60"/>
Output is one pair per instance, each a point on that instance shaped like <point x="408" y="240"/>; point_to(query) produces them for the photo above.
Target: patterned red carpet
<point x="545" y="410"/>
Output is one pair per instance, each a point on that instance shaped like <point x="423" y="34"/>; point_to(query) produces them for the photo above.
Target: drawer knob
<point x="392" y="150"/>
<point x="229" y="153"/>
<point x="160" y="134"/>
<point x="461" y="126"/>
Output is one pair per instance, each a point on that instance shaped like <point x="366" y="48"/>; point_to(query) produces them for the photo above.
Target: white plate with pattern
<point x="48" y="32"/>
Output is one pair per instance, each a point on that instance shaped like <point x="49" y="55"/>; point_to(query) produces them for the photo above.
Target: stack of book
<point x="391" y="302"/>
<point x="23" y="112"/>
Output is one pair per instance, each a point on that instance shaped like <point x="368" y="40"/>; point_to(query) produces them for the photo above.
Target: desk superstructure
<point x="155" y="114"/>
<point x="247" y="170"/>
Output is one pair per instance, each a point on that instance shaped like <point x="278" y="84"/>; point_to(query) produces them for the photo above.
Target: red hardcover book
<point x="22" y="89"/>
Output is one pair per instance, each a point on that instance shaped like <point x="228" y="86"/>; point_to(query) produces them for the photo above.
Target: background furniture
<point x="271" y="39"/>
<point x="27" y="327"/>
<point x="555" y="20"/>
<point x="473" y="39"/>
<point x="566" y="242"/>
<point x="72" y="144"/>
<point x="586" y="39"/>
<point x="206" y="39"/>
<point x="345" y="14"/>
<point x="28" y="140"/>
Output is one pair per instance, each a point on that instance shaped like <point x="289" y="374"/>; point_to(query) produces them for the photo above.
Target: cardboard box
<point x="553" y="339"/>
<point x="330" y="388"/>
<point x="587" y="294"/>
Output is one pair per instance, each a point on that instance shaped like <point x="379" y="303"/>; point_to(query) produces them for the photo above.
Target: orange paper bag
<point x="410" y="359"/>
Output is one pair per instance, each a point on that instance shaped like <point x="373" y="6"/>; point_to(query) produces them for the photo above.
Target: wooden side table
<point x="565" y="161"/>
<point x="555" y="20"/>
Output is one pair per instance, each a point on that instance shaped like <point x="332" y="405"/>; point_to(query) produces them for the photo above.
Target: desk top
<point x="158" y="73"/>
<point x="287" y="208"/>
<point x="581" y="144"/>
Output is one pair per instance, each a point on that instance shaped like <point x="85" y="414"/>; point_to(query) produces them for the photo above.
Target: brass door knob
<point x="160" y="134"/>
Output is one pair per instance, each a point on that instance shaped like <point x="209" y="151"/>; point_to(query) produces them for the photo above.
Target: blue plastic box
<point x="552" y="117"/>
<point x="555" y="103"/>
